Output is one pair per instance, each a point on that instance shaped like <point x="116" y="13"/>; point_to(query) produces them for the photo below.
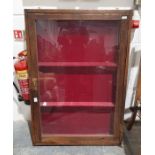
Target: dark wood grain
<point x="32" y="70"/>
<point x="122" y="77"/>
<point x="79" y="14"/>
<point x="30" y="17"/>
<point x="76" y="140"/>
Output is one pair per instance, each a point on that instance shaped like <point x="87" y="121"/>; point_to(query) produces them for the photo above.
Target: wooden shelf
<point x="77" y="64"/>
<point x="79" y="104"/>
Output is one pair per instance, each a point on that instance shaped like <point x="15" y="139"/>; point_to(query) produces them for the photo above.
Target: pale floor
<point x="23" y="145"/>
<point x="132" y="140"/>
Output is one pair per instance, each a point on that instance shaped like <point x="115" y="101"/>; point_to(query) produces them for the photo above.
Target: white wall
<point x="18" y="18"/>
<point x="134" y="59"/>
<point x="68" y="4"/>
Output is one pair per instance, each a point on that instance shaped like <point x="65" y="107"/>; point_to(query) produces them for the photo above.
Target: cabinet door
<point x="77" y="78"/>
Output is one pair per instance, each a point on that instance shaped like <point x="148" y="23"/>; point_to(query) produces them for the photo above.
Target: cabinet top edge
<point x="73" y="11"/>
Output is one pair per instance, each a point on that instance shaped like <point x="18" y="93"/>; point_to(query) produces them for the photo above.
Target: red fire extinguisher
<point x="21" y="69"/>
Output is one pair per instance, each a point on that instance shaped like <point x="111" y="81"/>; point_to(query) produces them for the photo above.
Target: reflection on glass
<point x="77" y="41"/>
<point x="77" y="63"/>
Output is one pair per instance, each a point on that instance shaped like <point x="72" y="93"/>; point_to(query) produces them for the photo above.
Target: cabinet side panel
<point x="122" y="76"/>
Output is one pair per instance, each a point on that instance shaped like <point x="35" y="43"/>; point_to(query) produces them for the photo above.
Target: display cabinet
<point x="77" y="62"/>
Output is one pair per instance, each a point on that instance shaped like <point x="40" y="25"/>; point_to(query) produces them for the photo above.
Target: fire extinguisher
<point x="21" y="69"/>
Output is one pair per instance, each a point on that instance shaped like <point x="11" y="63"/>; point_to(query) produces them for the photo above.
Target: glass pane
<point x="77" y="68"/>
<point x="77" y="41"/>
<point x="76" y="120"/>
<point x="76" y="88"/>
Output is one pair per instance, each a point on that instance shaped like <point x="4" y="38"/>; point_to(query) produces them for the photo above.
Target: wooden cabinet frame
<point x="124" y="16"/>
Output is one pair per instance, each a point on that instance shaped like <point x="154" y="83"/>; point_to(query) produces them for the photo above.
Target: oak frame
<point x="124" y="16"/>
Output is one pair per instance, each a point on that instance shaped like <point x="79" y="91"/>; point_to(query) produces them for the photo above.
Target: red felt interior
<point x="76" y="88"/>
<point x="77" y="63"/>
<point x="77" y="41"/>
<point x="77" y="121"/>
<point x="79" y="104"/>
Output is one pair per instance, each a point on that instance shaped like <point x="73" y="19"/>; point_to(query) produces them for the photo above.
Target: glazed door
<point x="77" y="68"/>
<point x="77" y="71"/>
